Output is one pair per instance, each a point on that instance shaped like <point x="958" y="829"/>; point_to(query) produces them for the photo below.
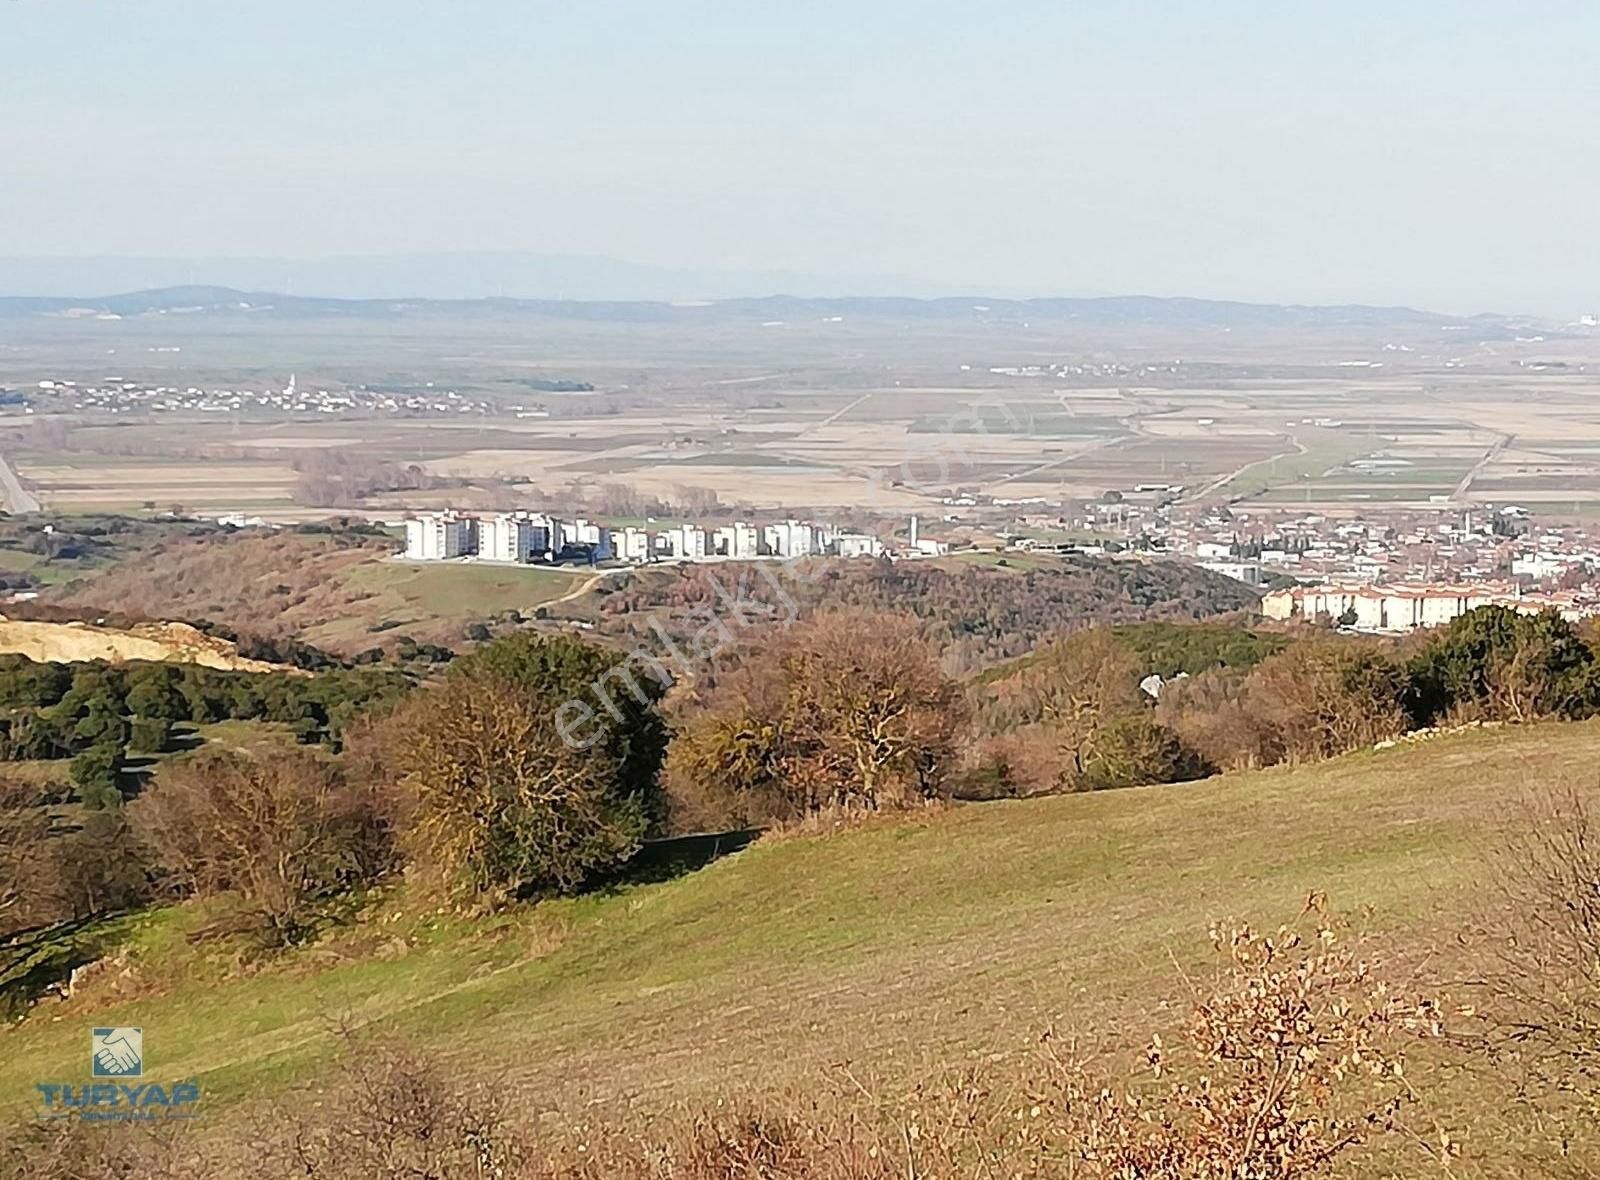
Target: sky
<point x="1437" y="153"/>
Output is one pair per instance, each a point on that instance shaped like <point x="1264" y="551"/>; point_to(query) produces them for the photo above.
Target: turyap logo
<point x="117" y="1053"/>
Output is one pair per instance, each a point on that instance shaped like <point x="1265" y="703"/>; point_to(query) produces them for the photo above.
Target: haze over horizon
<point x="1441" y="156"/>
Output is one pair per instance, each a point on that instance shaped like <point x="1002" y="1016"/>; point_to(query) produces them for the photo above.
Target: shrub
<point x="280" y="836"/>
<point x="1505" y="665"/>
<point x="1208" y="713"/>
<point x="391" y="1113"/>
<point x="153" y="693"/>
<point x="1538" y="950"/>
<point x="150" y="735"/>
<point x="845" y="711"/>
<point x="96" y="773"/>
<point x="496" y="800"/>
<point x="1324" y="697"/>
<point x="1134" y="751"/>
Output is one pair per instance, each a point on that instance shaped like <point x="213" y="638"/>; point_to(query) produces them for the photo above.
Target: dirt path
<point x="1501" y="443"/>
<point x="1217" y="484"/>
<point x="17" y="498"/>
<point x="584" y="587"/>
<point x="837" y="414"/>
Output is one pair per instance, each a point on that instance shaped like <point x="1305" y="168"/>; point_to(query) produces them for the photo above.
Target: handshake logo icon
<point x="117" y="1052"/>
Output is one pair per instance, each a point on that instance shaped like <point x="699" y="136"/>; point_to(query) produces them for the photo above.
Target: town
<point x="113" y="395"/>
<point x="1384" y="570"/>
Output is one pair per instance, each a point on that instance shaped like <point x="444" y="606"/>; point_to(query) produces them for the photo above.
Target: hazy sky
<point x="1444" y="153"/>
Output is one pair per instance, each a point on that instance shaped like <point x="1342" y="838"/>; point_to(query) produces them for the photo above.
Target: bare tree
<point x="848" y="710"/>
<point x="1539" y="947"/>
<point x="280" y="835"/>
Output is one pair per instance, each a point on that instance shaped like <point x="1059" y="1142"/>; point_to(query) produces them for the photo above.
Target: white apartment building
<point x="633" y="544"/>
<point x="738" y="540"/>
<point x="1541" y="565"/>
<point x="858" y="545"/>
<point x="788" y="539"/>
<point x="1248" y="572"/>
<point x="690" y="542"/>
<point x="597" y="537"/>
<point x="546" y="532"/>
<point x="1403" y="608"/>
<point x="438" y="536"/>
<point x="506" y="537"/>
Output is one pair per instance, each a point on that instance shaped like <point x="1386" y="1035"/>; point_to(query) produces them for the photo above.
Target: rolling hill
<point x="934" y="941"/>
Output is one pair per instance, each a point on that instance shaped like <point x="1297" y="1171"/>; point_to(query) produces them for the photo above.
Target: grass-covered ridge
<point x="931" y="941"/>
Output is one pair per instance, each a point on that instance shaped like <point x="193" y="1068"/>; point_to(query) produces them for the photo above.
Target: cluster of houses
<point x="1398" y="608"/>
<point x="519" y="537"/>
<point x="116" y="396"/>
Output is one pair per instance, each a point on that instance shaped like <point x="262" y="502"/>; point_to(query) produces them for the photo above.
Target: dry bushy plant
<point x="57" y="871"/>
<point x="1326" y="697"/>
<point x="24" y="827"/>
<point x="390" y="1114"/>
<point x="1208" y="714"/>
<point x="1071" y="695"/>
<point x="1294" y="1061"/>
<point x="278" y="835"/>
<point x="1539" y="950"/>
<point x="847" y="711"/>
<point x="69" y="1149"/>
<point x="495" y="803"/>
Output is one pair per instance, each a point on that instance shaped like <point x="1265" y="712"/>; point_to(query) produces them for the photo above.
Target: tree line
<point x="1072" y="716"/>
<point x="96" y="714"/>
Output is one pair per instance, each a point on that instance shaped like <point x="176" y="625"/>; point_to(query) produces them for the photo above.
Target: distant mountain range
<point x="1128" y="309"/>
<point x="442" y="276"/>
<point x="584" y="287"/>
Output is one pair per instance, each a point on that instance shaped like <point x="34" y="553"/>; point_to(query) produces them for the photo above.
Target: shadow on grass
<point x="32" y="962"/>
<point x="664" y="860"/>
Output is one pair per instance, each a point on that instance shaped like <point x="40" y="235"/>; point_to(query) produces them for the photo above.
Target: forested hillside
<point x="974" y="615"/>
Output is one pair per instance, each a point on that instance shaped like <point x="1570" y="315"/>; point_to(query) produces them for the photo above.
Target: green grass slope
<point x="942" y="939"/>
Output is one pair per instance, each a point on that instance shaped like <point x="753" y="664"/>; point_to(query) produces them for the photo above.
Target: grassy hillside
<point x="338" y="591"/>
<point x="950" y="937"/>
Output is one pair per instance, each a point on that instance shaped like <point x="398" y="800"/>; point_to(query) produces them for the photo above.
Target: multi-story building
<point x="1394" y="608"/>
<point x="546" y="533"/>
<point x="791" y="538"/>
<point x="691" y="543"/>
<point x="858" y="545"/>
<point x="586" y="534"/>
<point x="438" y="536"/>
<point x="507" y="537"/>
<point x="738" y="540"/>
<point x="1248" y="572"/>
<point x="633" y="544"/>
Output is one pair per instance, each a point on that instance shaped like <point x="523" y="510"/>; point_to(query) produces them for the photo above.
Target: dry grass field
<point x="344" y="593"/>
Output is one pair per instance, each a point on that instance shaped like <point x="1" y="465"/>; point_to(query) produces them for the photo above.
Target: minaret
<point x="913" y="530"/>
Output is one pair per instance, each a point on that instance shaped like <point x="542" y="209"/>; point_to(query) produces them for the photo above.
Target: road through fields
<point x="17" y="498"/>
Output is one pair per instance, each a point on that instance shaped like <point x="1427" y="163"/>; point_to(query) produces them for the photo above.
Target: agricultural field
<point x="96" y="483"/>
<point x="876" y="413"/>
<point x="884" y="955"/>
